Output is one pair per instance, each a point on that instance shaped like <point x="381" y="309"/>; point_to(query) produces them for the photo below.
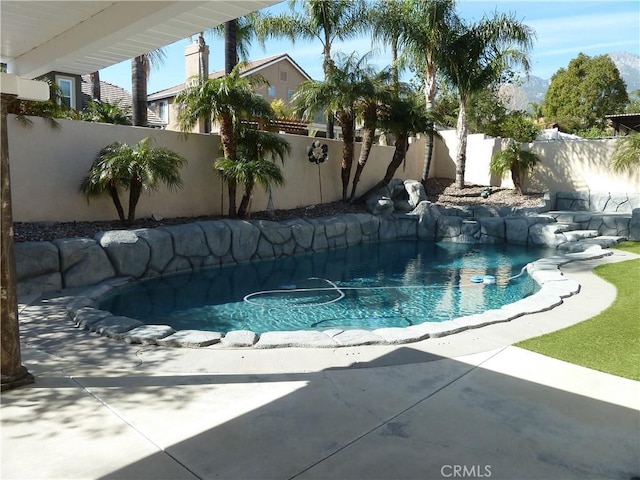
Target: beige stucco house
<point x="281" y="72"/>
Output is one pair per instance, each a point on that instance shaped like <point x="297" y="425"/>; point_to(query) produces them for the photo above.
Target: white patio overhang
<point x="81" y="37"/>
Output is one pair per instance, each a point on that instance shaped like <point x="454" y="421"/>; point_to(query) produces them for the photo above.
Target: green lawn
<point x="610" y="341"/>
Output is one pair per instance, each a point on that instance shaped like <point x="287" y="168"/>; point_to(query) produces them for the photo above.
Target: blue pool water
<point x="369" y="286"/>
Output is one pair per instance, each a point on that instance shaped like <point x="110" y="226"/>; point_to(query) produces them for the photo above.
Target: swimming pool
<point x="369" y="286"/>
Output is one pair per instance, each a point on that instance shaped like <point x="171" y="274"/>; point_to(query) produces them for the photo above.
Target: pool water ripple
<point x="369" y="286"/>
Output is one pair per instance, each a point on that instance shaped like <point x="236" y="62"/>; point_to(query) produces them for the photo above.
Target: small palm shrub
<point x="105" y="112"/>
<point x="626" y="156"/>
<point x="252" y="165"/>
<point x="136" y="168"/>
<point x="515" y="160"/>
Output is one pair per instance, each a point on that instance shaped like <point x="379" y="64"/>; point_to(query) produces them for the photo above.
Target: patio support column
<point x="12" y="372"/>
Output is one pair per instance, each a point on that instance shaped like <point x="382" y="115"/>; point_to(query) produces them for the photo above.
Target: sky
<point x="563" y="30"/>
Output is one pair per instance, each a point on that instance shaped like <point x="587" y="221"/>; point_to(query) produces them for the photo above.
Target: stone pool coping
<point x="81" y="309"/>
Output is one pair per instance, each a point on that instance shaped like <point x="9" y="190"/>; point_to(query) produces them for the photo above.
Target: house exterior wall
<point x="271" y="73"/>
<point x="77" y="84"/>
<point x="283" y="77"/>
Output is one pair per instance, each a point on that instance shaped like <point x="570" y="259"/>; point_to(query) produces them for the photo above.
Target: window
<point x="67" y="86"/>
<point x="283" y="75"/>
<point x="290" y="93"/>
<point x="271" y="91"/>
<point x="163" y="110"/>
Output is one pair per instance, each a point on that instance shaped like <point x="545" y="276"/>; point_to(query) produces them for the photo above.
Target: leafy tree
<point x="136" y="168"/>
<point x="105" y="112"/>
<point x="626" y="157"/>
<point x="516" y="125"/>
<point x="252" y="165"/>
<point x="321" y="20"/>
<point x="230" y="100"/>
<point x="474" y="58"/>
<point x="581" y="95"/>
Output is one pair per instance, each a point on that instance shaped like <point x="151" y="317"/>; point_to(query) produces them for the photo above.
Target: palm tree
<point x="252" y="165"/>
<point x="515" y="160"/>
<point x="137" y="168"/>
<point x="375" y="93"/>
<point x="140" y="69"/>
<point x="95" y="85"/>
<point x="230" y="45"/>
<point x="426" y="26"/>
<point x="339" y="94"/>
<point x="626" y="156"/>
<point x="245" y="33"/>
<point x="230" y="100"/>
<point x="105" y="112"/>
<point x="475" y="57"/>
<point x="322" y="20"/>
<point x="388" y="25"/>
<point x="13" y="373"/>
<point x="402" y="116"/>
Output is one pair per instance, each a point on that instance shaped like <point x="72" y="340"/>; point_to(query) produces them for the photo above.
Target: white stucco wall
<point x="565" y="165"/>
<point x="48" y="166"/>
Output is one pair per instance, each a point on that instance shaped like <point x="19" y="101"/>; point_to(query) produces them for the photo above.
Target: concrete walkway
<point x="468" y="405"/>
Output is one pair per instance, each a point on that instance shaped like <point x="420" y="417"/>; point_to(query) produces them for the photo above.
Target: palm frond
<point x="626" y="157"/>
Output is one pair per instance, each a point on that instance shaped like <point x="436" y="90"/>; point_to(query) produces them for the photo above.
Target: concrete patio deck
<point x="466" y="405"/>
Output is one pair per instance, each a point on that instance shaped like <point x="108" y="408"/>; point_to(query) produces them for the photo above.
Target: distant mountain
<point x="629" y="66"/>
<point x="533" y="89"/>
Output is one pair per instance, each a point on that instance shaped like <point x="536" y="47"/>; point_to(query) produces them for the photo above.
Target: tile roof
<point x="114" y="94"/>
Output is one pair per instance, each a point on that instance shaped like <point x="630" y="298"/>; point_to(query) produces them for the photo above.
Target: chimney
<point x="196" y="57"/>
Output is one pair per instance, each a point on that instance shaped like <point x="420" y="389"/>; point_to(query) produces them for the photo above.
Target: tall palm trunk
<point x="246" y="199"/>
<point x="139" y="72"/>
<point x="115" y="198"/>
<point x="327" y="67"/>
<point x="367" y="143"/>
<point x="230" y="45"/>
<point x="369" y="116"/>
<point x="135" y="189"/>
<point x="461" y="153"/>
<point x="229" y="148"/>
<point x="227" y="133"/>
<point x="430" y="96"/>
<point x="347" y="122"/>
<point x="516" y="177"/>
<point x="95" y="85"/>
<point x="13" y="373"/>
<point x="399" y="154"/>
<point x="395" y="76"/>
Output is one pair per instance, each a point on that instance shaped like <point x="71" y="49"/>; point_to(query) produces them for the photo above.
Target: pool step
<point x="604" y="241"/>
<point x="577" y="235"/>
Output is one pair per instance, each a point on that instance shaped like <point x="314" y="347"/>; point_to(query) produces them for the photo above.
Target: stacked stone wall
<point x="145" y="253"/>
